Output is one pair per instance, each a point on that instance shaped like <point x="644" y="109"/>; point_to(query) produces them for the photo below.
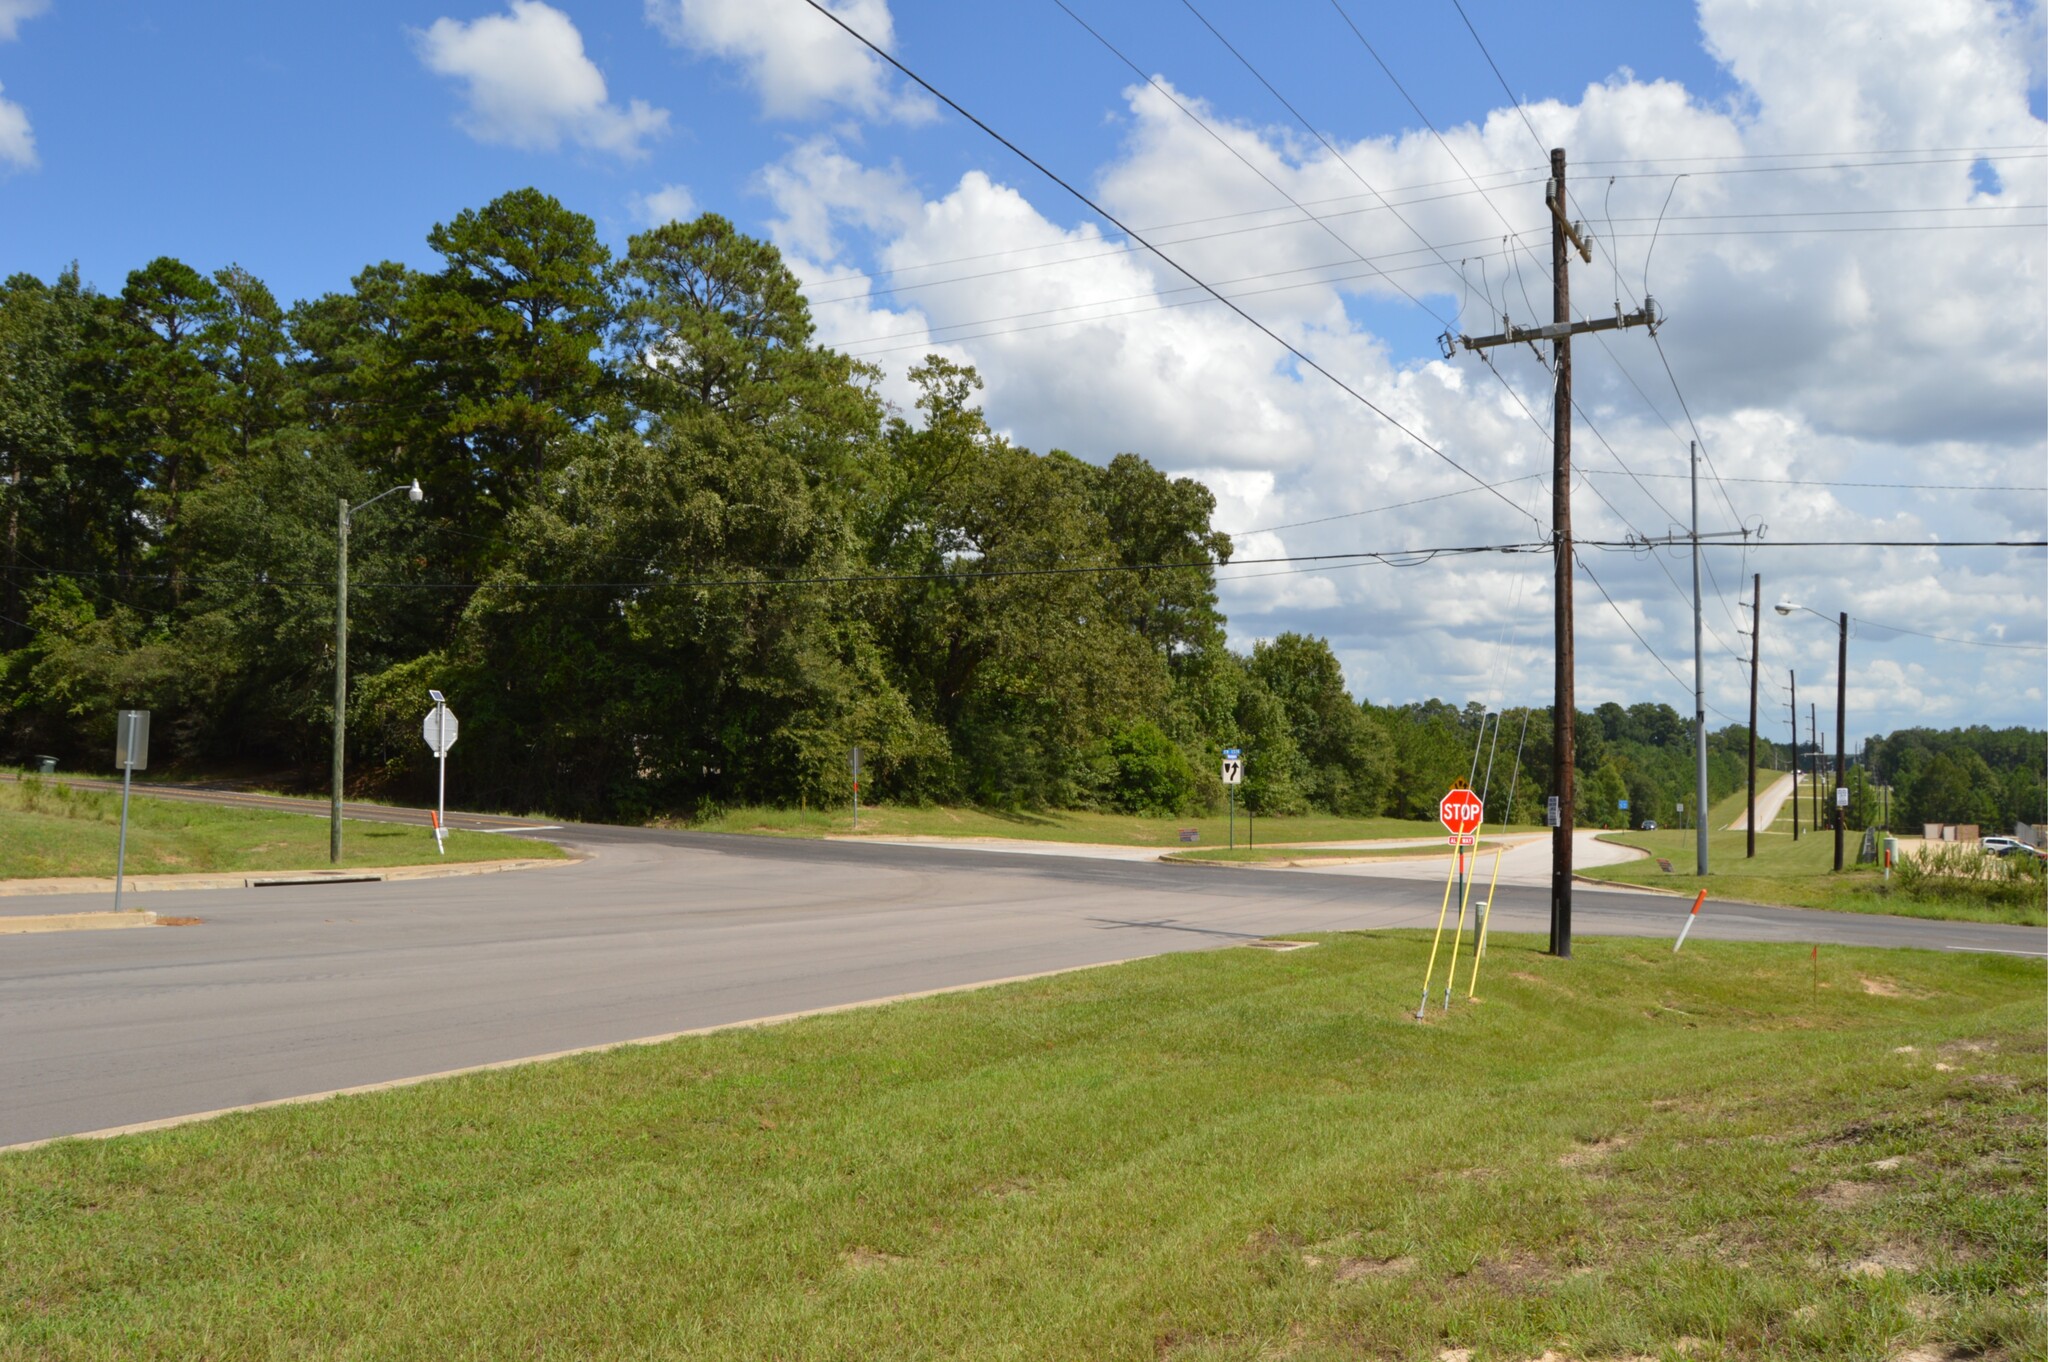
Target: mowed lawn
<point x="1055" y="825"/>
<point x="1233" y="1154"/>
<point x="1797" y="874"/>
<point x="48" y="828"/>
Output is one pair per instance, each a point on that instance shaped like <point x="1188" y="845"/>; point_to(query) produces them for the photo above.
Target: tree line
<point x="1992" y="777"/>
<point x="674" y="555"/>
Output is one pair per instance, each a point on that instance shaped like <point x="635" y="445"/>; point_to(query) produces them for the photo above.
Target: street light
<point x="1841" y="721"/>
<point x="415" y="495"/>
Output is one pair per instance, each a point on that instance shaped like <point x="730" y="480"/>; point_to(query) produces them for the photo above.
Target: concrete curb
<point x="1312" y="862"/>
<point x="150" y="884"/>
<point x="76" y="922"/>
<point x="168" y="1122"/>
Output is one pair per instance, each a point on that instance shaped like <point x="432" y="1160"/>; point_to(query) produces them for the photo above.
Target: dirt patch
<point x="1840" y="1196"/>
<point x="1593" y="1151"/>
<point x="868" y="1260"/>
<point x="1516" y="1274"/>
<point x="1883" y="988"/>
<point x="180" y="921"/>
<point x="1884" y="1262"/>
<point x="1358" y="1269"/>
<point x="1887" y="1165"/>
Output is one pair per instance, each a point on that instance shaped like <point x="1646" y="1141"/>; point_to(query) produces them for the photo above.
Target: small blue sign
<point x="1230" y="753"/>
<point x="1623" y="804"/>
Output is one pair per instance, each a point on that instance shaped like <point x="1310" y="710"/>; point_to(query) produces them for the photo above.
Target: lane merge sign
<point x="1233" y="766"/>
<point x="1461" y="812"/>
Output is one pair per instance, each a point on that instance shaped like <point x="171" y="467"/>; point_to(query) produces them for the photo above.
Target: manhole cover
<point x="1280" y="945"/>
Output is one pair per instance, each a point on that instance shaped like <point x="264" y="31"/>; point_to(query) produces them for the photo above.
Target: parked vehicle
<point x="1649" y="825"/>
<point x="2004" y="846"/>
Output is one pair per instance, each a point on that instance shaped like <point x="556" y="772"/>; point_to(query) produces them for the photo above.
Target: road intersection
<point x="290" y="991"/>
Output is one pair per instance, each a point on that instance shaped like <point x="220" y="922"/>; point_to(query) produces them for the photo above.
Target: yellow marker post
<point x="1437" y="940"/>
<point x="1463" y="899"/>
<point x="1485" y="921"/>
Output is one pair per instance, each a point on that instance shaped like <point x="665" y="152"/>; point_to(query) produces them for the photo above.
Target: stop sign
<point x="1461" y="811"/>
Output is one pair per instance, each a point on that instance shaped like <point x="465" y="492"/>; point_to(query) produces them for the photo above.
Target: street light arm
<point x="413" y="487"/>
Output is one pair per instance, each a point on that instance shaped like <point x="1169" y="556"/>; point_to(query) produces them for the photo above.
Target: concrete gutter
<point x="76" y="922"/>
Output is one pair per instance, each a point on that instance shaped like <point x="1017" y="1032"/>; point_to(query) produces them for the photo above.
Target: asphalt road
<point x="290" y="991"/>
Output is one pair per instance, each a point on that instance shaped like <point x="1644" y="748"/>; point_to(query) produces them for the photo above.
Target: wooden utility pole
<point x="1841" y="736"/>
<point x="1756" y="618"/>
<point x="1565" y="235"/>
<point x="1820" y="754"/>
<point x="1795" y="753"/>
<point x="1564" y="704"/>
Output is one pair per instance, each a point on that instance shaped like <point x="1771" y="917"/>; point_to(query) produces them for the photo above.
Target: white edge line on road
<point x="1994" y="950"/>
<point x="168" y="1122"/>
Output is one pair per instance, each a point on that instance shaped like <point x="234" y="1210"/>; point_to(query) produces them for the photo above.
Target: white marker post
<point x="131" y="754"/>
<point x="1233" y="776"/>
<point x="440" y="729"/>
<point x="1689" y="919"/>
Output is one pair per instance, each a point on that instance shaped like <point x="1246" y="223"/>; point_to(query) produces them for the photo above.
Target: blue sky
<point x="1847" y="202"/>
<point x="304" y="141"/>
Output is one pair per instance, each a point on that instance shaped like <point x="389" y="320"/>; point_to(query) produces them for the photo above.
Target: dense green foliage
<point x="674" y="555"/>
<point x="1991" y="777"/>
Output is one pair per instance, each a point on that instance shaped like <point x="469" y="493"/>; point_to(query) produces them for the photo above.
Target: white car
<point x="2003" y="846"/>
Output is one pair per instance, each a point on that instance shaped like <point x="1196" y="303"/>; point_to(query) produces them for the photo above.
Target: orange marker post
<point x="1688" y="921"/>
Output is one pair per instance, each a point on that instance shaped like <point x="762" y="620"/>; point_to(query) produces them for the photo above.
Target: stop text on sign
<point x="1461" y="811"/>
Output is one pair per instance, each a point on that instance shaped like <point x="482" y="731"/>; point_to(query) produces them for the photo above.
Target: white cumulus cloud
<point x="1807" y="355"/>
<point x="670" y="203"/>
<point x="531" y="85"/>
<point x="17" y="139"/>
<point x="12" y="12"/>
<point x="799" y="62"/>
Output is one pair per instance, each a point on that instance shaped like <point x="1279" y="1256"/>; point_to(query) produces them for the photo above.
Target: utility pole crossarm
<point x="1646" y="315"/>
<point x="1571" y="229"/>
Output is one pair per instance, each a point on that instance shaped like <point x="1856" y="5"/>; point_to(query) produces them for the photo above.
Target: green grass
<point x="1285" y="855"/>
<point x="1234" y="1154"/>
<point x="1118" y="829"/>
<point x="48" y="828"/>
<point x="1795" y="874"/>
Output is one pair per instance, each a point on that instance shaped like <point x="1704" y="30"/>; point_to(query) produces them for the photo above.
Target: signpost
<point x="131" y="754"/>
<point x="1233" y="776"/>
<point x="1461" y="812"/>
<point x="439" y="728"/>
<point x="853" y="764"/>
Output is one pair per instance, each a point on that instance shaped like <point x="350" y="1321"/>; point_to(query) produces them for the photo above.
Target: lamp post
<point x="1841" y="711"/>
<point x="413" y="494"/>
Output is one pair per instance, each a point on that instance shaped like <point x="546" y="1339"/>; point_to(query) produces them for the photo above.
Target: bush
<point x="1152" y="774"/>
<point x="1958" y="870"/>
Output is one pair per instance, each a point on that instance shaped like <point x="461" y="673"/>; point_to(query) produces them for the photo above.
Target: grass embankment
<point x="1796" y="874"/>
<point x="890" y="820"/>
<point x="1283" y="855"/>
<point x="48" y="828"/>
<point x="1234" y="1154"/>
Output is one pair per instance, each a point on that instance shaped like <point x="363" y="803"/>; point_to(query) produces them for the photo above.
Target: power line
<point x="1046" y="171"/>
<point x="1950" y="638"/>
<point x="1847" y="165"/>
<point x="1888" y="486"/>
<point x="1395" y="506"/>
<point x="1512" y="98"/>
<point x="1780" y="155"/>
<point x="1330" y="231"/>
<point x="1394" y="557"/>
<point x="1838" y="544"/>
